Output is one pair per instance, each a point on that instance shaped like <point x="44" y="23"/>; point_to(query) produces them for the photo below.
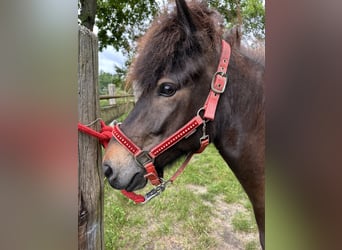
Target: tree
<point x="104" y="80"/>
<point x="87" y="14"/>
<point x="117" y="79"/>
<point x="247" y="14"/>
<point x="120" y="22"/>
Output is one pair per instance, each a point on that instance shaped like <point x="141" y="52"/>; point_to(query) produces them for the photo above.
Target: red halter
<point x="146" y="159"/>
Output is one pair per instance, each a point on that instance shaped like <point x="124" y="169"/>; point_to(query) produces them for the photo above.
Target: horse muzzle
<point x="122" y="171"/>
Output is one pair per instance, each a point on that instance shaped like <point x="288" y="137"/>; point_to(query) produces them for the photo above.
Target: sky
<point x="109" y="58"/>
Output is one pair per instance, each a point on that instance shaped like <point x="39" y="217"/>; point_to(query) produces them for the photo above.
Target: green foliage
<point x="107" y="78"/>
<point x="254" y="18"/>
<point x="120" y="22"/>
<point x="104" y="80"/>
<point x="249" y="14"/>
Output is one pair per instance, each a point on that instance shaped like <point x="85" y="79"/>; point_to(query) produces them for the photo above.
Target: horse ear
<point x="233" y="37"/>
<point x="184" y="17"/>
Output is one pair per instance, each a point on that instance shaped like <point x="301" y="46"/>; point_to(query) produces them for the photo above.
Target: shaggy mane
<point x="166" y="47"/>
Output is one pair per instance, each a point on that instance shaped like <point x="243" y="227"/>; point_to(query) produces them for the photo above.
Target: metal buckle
<point x="205" y="136"/>
<point x="143" y="158"/>
<point x="155" y="191"/>
<point x="219" y="91"/>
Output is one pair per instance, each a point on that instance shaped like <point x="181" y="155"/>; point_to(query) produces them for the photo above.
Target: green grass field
<point x="205" y="208"/>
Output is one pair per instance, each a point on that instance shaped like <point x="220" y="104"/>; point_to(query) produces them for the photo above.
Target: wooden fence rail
<point x="114" y="111"/>
<point x="105" y="97"/>
<point x="110" y="113"/>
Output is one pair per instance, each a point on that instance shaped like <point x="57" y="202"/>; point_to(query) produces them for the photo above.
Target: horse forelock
<point x="166" y="47"/>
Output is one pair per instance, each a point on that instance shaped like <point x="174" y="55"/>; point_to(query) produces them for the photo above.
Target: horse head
<point x="171" y="73"/>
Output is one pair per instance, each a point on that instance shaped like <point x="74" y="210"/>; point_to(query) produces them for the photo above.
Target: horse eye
<point x="167" y="89"/>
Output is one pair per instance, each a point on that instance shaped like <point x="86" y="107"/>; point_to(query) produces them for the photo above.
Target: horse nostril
<point x="107" y="171"/>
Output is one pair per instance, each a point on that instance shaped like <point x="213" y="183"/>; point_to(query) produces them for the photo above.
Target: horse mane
<point x="257" y="54"/>
<point x="166" y="47"/>
<point x="234" y="36"/>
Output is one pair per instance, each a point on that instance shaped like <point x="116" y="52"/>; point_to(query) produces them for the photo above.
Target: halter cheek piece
<point x="146" y="159"/>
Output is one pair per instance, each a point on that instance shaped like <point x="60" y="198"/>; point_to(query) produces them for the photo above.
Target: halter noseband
<point x="146" y="158"/>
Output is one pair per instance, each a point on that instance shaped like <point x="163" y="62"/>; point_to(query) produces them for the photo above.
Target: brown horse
<point x="172" y="74"/>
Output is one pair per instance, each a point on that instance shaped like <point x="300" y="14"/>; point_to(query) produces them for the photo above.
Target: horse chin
<point x="138" y="181"/>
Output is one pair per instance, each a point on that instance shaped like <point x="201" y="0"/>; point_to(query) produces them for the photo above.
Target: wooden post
<point x="111" y="91"/>
<point x="90" y="182"/>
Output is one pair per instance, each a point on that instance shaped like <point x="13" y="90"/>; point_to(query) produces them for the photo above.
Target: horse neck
<point x="240" y="114"/>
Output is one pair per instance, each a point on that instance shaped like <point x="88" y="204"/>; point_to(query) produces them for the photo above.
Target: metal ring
<point x="199" y="111"/>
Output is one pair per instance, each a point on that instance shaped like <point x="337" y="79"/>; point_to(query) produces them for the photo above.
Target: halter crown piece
<point x="146" y="158"/>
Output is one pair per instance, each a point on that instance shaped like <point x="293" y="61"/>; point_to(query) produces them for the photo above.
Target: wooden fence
<point x="90" y="186"/>
<point x="90" y="180"/>
<point x="123" y="105"/>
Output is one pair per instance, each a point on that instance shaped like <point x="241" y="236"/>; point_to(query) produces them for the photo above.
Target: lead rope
<point x="104" y="137"/>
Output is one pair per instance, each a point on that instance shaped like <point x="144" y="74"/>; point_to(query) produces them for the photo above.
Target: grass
<point x="252" y="245"/>
<point x="243" y="222"/>
<point x="182" y="217"/>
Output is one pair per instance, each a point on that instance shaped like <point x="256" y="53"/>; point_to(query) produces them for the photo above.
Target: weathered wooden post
<point x="90" y="186"/>
<point x="111" y="92"/>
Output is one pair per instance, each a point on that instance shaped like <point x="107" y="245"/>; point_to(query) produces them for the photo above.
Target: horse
<point x="175" y="68"/>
